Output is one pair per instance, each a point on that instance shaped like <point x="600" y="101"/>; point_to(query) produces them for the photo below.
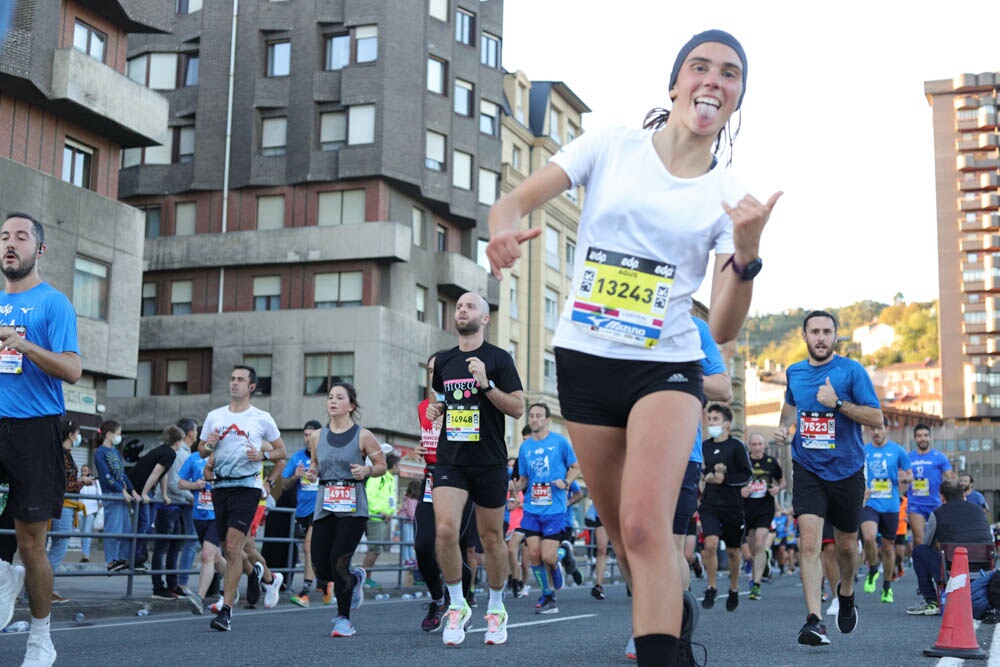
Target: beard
<point x="819" y="356"/>
<point x="467" y="329"/>
<point x="20" y="271"/>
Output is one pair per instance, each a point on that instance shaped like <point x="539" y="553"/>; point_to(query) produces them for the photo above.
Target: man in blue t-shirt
<point x="887" y="475"/>
<point x="38" y="352"/>
<point x="827" y="401"/>
<point x="546" y="467"/>
<point x="973" y="496"/>
<point x="929" y="467"/>
<point x="305" y="505"/>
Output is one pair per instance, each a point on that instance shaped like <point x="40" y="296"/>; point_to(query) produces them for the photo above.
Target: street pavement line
<point x="959" y="662"/>
<point x="543" y="622"/>
<point x="995" y="647"/>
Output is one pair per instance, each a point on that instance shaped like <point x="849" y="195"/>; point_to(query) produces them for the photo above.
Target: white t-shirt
<point x="91" y="504"/>
<point x="635" y="211"/>
<point x="238" y="431"/>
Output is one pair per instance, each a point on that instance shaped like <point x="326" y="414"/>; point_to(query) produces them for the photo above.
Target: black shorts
<point x="687" y="500"/>
<point x="622" y="382"/>
<point x="593" y="523"/>
<point x="725" y="523"/>
<point x="31" y="459"/>
<point x="235" y="507"/>
<point x="207" y="531"/>
<point x="888" y="522"/>
<point x="901" y="539"/>
<point x="304" y="522"/>
<point x="692" y="527"/>
<point x="759" y="512"/>
<point x="838" y="502"/>
<point x="487" y="485"/>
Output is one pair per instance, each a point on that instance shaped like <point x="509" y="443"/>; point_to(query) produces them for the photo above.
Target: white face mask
<point x="77" y="439"/>
<point x="714" y="431"/>
<point x="117" y="440"/>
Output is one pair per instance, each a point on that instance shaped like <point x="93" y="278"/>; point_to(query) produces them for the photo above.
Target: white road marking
<point x="542" y="622"/>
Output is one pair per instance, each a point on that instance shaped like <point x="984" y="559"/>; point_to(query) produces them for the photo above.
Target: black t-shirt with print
<point x="163" y="455"/>
<point x="473" y="430"/>
<point x="766" y="471"/>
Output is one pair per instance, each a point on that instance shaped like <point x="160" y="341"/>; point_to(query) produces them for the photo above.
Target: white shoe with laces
<point x="40" y="653"/>
<point x="272" y="590"/>
<point x="11" y="582"/>
<point x="217" y="606"/>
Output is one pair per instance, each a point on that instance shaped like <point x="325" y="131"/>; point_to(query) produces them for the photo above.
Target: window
<point x="520" y="103"/>
<point x="423" y="382"/>
<point x="155" y="70"/>
<point x="549" y="372"/>
<point x="570" y="257"/>
<point x="323" y="369"/>
<point x="279" y="58"/>
<point x="191" y="63"/>
<point x="90" y="288"/>
<point x="515" y="158"/>
<point x="144" y="378"/>
<point x="417" y="224"/>
<point x="481" y="258"/>
<point x="273" y="133"/>
<point x="488" y="183"/>
<point x="261" y="363"/>
<point x="184" y="144"/>
<point x="554" y="126"/>
<point x="571" y="133"/>
<point x="152" y="221"/>
<point x="488" y="114"/>
<point x="441" y="239"/>
<point x="512" y="284"/>
<point x="89" y="40"/>
<point x="421" y="303"/>
<point x="436" y="75"/>
<point x="465" y="28"/>
<point x="149" y="155"/>
<point x="438" y="9"/>
<point x="361" y="124"/>
<point x="463" y="97"/>
<point x="148" y="300"/>
<point x="338" y="52"/>
<point x="434" y="151"/>
<point x="332" y="130"/>
<point x="185" y="214"/>
<point x="442" y="314"/>
<point x="188" y="6"/>
<point x="78" y="163"/>
<point x="180" y="297"/>
<point x="177" y="377"/>
<point x="267" y="293"/>
<point x="341" y="207"/>
<point x="338" y="290"/>
<point x="366" y="43"/>
<point x="490" y="54"/>
<point x="461" y="176"/>
<point x="270" y="212"/>
<point x="551" y="247"/>
<point x="551" y="309"/>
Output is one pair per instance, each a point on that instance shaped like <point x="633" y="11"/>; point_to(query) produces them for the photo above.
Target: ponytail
<point x="106" y="427"/>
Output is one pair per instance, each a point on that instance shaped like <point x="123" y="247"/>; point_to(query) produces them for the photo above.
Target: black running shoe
<point x="708" y="601"/>
<point x="847" y="616"/>
<point x="221" y="622"/>
<point x="597" y="592"/>
<point x="253" y="584"/>
<point x="432" y="621"/>
<point x="813" y="633"/>
<point x="733" y="600"/>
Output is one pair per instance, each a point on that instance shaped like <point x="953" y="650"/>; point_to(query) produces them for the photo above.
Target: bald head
<point x="472" y="313"/>
<point x="757" y="444"/>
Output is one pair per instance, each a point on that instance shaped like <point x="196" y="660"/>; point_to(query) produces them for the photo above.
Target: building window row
<point x="464" y="96"/>
<point x="465" y="31"/>
<point x="164" y="71"/>
<point x="88" y="39"/>
<point x="435" y="152"/>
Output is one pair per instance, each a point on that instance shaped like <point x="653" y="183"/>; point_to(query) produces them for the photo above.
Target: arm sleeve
<point x="862" y="389"/>
<point x="740" y="471"/>
<point x="713" y="363"/>
<point x="293" y="462"/>
<point x="789" y="397"/>
<point x="578" y="157"/>
<point x="507" y="378"/>
<point x="62" y="326"/>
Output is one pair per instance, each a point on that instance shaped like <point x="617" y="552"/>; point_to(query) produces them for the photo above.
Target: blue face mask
<point x="118" y="440"/>
<point x="77" y="439"/>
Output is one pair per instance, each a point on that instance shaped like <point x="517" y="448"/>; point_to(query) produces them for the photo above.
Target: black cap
<point x="312" y="424"/>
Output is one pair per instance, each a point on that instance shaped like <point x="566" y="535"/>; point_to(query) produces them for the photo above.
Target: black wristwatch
<point x="490" y="386"/>
<point x="748" y="272"/>
<point x="838" y="406"/>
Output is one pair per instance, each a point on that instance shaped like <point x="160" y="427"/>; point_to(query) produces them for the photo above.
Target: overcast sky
<point x="834" y="114"/>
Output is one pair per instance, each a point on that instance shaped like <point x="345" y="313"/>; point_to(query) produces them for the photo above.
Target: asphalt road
<point x="585" y="631"/>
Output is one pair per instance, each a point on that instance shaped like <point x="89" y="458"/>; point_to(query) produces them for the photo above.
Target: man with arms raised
<point x="828" y="399"/>
<point x="481" y="387"/>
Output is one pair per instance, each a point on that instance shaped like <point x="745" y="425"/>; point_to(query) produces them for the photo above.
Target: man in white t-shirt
<point x="238" y="437"/>
<point x="91" y="506"/>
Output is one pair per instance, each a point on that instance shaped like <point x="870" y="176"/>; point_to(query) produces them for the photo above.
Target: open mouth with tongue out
<point x="707" y="108"/>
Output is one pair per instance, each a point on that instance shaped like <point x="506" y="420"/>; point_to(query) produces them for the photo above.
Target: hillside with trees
<point x="777" y="337"/>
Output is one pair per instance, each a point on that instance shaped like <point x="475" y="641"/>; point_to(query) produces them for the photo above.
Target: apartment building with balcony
<point x="543" y="116"/>
<point x="67" y="111"/>
<point x="967" y="171"/>
<point x="322" y="219"/>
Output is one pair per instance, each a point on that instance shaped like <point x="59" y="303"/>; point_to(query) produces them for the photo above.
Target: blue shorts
<point x="546" y="526"/>
<point x="922" y="510"/>
<point x="687" y="501"/>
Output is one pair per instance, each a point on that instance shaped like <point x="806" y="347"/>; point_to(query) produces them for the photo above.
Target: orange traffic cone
<point x="957" y="638"/>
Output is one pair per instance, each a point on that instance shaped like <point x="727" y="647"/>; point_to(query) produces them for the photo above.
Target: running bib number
<point x="205" y="500"/>
<point x="340" y="498"/>
<point x="881" y="488"/>
<point x="818" y="430"/>
<point x="622" y="297"/>
<point x="921" y="487"/>
<point x="463" y="425"/>
<point x="758" y="488"/>
<point x="11" y="361"/>
<point x="541" y="494"/>
<point x="429" y="488"/>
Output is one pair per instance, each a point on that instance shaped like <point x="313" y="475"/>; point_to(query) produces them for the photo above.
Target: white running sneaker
<point x="496" y="627"/>
<point x="272" y="590"/>
<point x="40" y="653"/>
<point x="456" y="619"/>
<point x="217" y="606"/>
<point x="11" y="582"/>
<point x="834" y="607"/>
